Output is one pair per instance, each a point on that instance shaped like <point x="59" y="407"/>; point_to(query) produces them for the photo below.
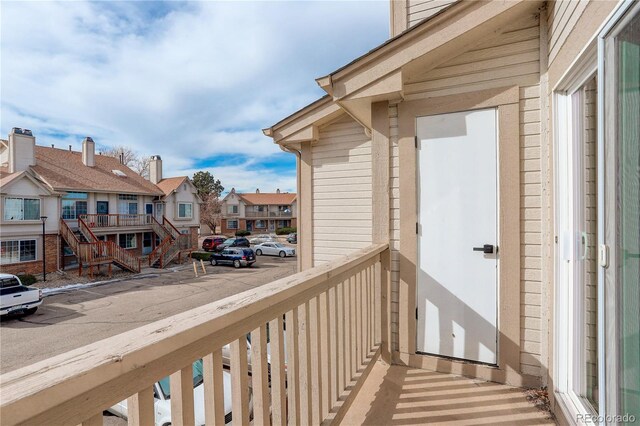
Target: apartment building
<point x="258" y="212"/>
<point x="82" y="209"/>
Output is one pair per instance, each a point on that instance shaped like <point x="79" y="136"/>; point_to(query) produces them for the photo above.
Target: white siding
<point x="562" y="18"/>
<point x="342" y="190"/>
<point x="417" y="10"/>
<point x="509" y="59"/>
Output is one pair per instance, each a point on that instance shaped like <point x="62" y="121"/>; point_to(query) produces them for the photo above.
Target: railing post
<point x="140" y="411"/>
<point x="181" y="385"/>
<point x="384" y="318"/>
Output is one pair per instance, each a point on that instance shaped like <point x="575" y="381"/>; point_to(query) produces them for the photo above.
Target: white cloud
<point x="183" y="80"/>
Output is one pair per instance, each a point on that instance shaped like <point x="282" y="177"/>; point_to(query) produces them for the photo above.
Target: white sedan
<point x="263" y="238"/>
<point x="274" y="249"/>
<point x="162" y="399"/>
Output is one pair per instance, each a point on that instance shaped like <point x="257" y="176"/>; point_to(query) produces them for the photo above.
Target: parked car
<point x="212" y="242"/>
<point x="292" y="238"/>
<point x="162" y="398"/>
<point x="233" y="256"/>
<point x="18" y="298"/>
<point x="262" y="238"/>
<point x="274" y="249"/>
<point x="233" y="242"/>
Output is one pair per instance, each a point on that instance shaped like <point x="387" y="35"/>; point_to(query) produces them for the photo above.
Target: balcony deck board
<point x="405" y="396"/>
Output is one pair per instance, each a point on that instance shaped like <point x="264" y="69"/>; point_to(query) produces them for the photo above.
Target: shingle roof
<point x="169" y="185"/>
<point x="64" y="170"/>
<point x="267" y="198"/>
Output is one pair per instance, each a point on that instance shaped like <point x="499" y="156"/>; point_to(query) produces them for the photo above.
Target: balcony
<point x="268" y="214"/>
<point x="99" y="221"/>
<point x="309" y="376"/>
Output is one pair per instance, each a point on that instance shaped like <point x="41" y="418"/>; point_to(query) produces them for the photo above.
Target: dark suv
<point x="211" y="243"/>
<point x="233" y="256"/>
<point x="233" y="242"/>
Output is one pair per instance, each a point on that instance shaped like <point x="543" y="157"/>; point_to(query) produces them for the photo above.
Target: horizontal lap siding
<point x="418" y="10"/>
<point x="509" y="59"/>
<point x="342" y="190"/>
<point x="562" y="18"/>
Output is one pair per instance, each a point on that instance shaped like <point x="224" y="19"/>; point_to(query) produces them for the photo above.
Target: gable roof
<point x="169" y="185"/>
<point x="381" y="73"/>
<point x="268" y="198"/>
<point x="7" y="179"/>
<point x="64" y="170"/>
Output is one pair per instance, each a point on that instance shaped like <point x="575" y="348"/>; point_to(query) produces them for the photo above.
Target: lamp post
<point x="44" y="259"/>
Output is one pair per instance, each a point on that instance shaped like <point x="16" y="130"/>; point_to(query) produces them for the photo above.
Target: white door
<point x="457" y="212"/>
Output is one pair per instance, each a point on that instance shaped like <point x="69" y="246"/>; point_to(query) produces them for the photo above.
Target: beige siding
<point x="418" y="10"/>
<point x="510" y="59"/>
<point x="562" y="18"/>
<point x="342" y="190"/>
<point x="394" y="225"/>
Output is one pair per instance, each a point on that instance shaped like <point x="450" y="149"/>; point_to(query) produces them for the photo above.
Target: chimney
<point x="88" y="152"/>
<point x="278" y="191"/>
<point x="22" y="150"/>
<point x="257" y="190"/>
<point x="155" y="169"/>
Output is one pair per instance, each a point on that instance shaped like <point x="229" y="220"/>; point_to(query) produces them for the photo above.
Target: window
<point x="74" y="204"/>
<point x="232" y="224"/>
<point x="21" y="208"/>
<point x="17" y="251"/>
<point x="261" y="224"/>
<point x="127" y="241"/>
<point x="232" y="209"/>
<point x="184" y="210"/>
<point x="260" y="208"/>
<point x="127" y="204"/>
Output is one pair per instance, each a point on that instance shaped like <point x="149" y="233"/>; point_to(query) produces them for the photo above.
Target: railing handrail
<point x="164" y="219"/>
<point x="57" y="389"/>
<point x="82" y="225"/>
<point x="159" y="250"/>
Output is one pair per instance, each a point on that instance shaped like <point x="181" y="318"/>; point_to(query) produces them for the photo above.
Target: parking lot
<point x="81" y="316"/>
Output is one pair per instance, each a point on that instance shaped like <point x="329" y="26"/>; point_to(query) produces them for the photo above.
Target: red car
<point x="211" y="243"/>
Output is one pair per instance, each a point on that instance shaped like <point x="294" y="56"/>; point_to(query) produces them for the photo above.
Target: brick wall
<point x="51" y="246"/>
<point x="194" y="236"/>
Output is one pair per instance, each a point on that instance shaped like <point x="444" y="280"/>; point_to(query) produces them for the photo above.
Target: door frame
<point x="420" y="175"/>
<point x="507" y="102"/>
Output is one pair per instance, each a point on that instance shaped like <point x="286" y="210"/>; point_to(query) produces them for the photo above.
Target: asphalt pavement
<point x="85" y="315"/>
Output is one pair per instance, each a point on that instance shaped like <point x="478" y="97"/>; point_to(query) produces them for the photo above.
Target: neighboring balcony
<point x="105" y="222"/>
<point x="316" y="341"/>
<point x="268" y="214"/>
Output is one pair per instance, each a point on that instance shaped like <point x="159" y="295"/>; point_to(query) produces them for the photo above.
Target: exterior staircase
<point x="171" y="245"/>
<point x="92" y="252"/>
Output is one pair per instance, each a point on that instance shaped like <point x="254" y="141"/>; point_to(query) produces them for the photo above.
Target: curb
<point x="52" y="291"/>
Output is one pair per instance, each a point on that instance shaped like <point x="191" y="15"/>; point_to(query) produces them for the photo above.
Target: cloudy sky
<point x="194" y="82"/>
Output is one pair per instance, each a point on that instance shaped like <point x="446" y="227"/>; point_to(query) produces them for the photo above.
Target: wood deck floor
<point x="404" y="396"/>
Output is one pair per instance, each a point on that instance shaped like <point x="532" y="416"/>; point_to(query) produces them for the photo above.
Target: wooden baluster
<point x="259" y="374"/>
<point x="140" y="411"/>
<point x="325" y="349"/>
<point x="213" y="388"/>
<point x="366" y="309"/>
<point x="358" y="320"/>
<point x="315" y="347"/>
<point x="342" y="351"/>
<point x="372" y="307"/>
<point x="278" y="390"/>
<point x="239" y="382"/>
<point x="304" y="372"/>
<point x="181" y="385"/>
<point x="293" y="381"/>
<point x="352" y="325"/>
<point x="95" y="420"/>
<point x="333" y="342"/>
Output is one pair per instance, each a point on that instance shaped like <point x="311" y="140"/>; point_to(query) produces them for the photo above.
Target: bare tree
<point x="131" y="159"/>
<point x="211" y="211"/>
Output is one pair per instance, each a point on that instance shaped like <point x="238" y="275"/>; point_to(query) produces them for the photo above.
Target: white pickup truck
<point x="17" y="298"/>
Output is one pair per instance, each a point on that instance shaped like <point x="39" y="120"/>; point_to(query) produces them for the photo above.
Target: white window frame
<point x="590" y="61"/>
<point x="185" y="217"/>
<point x="263" y="222"/>
<point x="230" y="221"/>
<point x="232" y="209"/>
<point x="569" y="301"/>
<point x="19" y="241"/>
<point x="19" y="197"/>
<point x="134" y="240"/>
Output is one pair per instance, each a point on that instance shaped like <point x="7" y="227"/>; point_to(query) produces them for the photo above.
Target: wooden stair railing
<point x="104" y="249"/>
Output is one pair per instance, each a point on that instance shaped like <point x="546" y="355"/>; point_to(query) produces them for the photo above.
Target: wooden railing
<point x="332" y="327"/>
<point x="268" y="214"/>
<point x="116" y="220"/>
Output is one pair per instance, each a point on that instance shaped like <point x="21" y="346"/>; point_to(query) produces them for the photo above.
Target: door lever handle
<point x="487" y="248"/>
